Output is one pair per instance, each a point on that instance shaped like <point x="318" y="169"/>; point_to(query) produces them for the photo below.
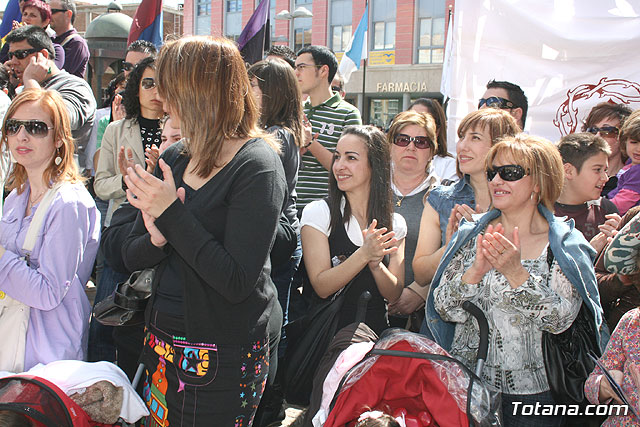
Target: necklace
<point x="399" y="201"/>
<point x="37" y="199"/>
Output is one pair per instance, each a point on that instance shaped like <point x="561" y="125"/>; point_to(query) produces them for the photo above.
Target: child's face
<point x="588" y="183"/>
<point x="633" y="150"/>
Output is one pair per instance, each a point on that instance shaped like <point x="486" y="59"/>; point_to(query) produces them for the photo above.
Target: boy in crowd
<point x="585" y="157"/>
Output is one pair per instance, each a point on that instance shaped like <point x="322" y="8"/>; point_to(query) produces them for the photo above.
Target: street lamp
<point x="285" y="15"/>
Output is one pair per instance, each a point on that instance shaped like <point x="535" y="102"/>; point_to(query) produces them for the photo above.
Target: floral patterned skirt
<point x="196" y="384"/>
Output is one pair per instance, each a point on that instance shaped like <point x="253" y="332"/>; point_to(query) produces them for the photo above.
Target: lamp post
<point x="285" y="15"/>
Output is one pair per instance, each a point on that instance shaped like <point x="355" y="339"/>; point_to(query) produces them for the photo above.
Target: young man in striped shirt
<point x="328" y="113"/>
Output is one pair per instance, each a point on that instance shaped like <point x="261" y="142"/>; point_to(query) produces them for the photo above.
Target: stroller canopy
<point x="41" y="401"/>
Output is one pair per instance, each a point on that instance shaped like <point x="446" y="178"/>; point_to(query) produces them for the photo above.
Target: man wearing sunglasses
<point x="30" y="62"/>
<point x="76" y="51"/>
<point x="506" y="96"/>
<point x="136" y="52"/>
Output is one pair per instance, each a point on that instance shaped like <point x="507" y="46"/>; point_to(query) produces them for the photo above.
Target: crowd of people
<point x="254" y="193"/>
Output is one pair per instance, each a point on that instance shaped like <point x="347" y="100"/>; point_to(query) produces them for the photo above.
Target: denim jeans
<point x="101" y="345"/>
<point x="282" y="276"/>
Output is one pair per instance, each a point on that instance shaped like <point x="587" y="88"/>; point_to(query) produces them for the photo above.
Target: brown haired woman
<point x="51" y="281"/>
<point x="206" y="352"/>
<point x="446" y="205"/>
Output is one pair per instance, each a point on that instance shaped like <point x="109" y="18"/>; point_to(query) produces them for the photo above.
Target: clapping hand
<point x="152" y="154"/>
<point x="148" y="193"/>
<point x="125" y="160"/>
<point x="377" y="243"/>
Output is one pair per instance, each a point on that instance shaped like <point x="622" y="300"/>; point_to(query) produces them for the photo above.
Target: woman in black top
<point x="348" y="236"/>
<point x="208" y="225"/>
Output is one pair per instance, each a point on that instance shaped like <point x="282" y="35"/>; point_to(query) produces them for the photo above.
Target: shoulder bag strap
<point x="38" y="219"/>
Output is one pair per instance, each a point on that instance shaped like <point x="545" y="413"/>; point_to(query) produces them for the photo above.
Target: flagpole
<point x="364" y="78"/>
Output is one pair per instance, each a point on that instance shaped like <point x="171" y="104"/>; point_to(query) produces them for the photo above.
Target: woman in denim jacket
<point x="500" y="262"/>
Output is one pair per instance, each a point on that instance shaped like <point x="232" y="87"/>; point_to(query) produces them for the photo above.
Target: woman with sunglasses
<point x="444" y="164"/>
<point x="125" y="142"/>
<point x="526" y="269"/>
<point x="412" y="139"/>
<point x="354" y="236"/>
<point x="606" y="119"/>
<point x="446" y="205"/>
<point x="208" y="221"/>
<point x="51" y="278"/>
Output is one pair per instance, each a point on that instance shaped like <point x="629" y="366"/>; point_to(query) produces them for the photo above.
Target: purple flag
<point x="256" y="36"/>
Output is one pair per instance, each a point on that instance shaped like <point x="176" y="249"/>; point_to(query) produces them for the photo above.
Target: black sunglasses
<point x="507" y="173"/>
<point x="420" y="142"/>
<point x="604" y="130"/>
<point x="22" y="53"/>
<point x="496" y="102"/>
<point x="35" y="128"/>
<point x="148" y="83"/>
<point x="127" y="66"/>
<point x="58" y="10"/>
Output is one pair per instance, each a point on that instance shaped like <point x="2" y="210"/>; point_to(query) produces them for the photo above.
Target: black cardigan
<point x="219" y="242"/>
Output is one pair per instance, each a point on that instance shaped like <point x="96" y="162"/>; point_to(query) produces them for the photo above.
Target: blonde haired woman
<point x="51" y="278"/>
<point x="208" y="225"/>
<point x="526" y="269"/>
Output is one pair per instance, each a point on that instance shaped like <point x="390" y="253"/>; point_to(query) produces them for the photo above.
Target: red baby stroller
<point x="408" y="374"/>
<point x="43" y="403"/>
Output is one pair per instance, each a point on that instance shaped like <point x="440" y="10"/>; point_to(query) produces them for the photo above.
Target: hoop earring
<point x="531" y="197"/>
<point x="58" y="159"/>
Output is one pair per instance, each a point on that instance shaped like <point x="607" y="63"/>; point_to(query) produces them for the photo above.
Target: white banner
<point x="567" y="56"/>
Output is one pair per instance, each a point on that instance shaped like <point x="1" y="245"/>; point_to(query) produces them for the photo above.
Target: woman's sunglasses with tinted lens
<point x="35" y="128"/>
<point x="507" y="173"/>
<point x="148" y="83"/>
<point x="604" y="130"/>
<point x="420" y="142"/>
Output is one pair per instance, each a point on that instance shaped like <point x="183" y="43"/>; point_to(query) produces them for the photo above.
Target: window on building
<point x="203" y="7"/>
<point x="233" y="19"/>
<point x="431" y="21"/>
<point x="340" y="25"/>
<point x="381" y="111"/>
<point x="302" y="37"/>
<point x="384" y="24"/>
<point x="302" y="27"/>
<point x="203" y="17"/>
<point x="234" y="6"/>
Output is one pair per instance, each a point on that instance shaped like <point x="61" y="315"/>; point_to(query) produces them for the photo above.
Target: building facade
<point x="406" y="42"/>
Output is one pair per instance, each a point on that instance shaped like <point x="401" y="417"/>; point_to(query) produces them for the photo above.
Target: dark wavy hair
<point x="131" y="95"/>
<point x="379" y="206"/>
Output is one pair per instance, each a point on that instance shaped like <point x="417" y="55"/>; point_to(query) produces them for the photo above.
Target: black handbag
<point x="567" y="361"/>
<point x="308" y="339"/>
<point x="566" y="356"/>
<point x="126" y="306"/>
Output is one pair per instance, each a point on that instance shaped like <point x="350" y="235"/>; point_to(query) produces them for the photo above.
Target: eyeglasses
<point x="148" y="83"/>
<point x="507" y="173"/>
<point x="496" y="102"/>
<point x="420" y="142"/>
<point x="127" y="66"/>
<point x="302" y="66"/>
<point x="605" y="130"/>
<point x="22" y="53"/>
<point x="35" y="128"/>
<point x="58" y="10"/>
